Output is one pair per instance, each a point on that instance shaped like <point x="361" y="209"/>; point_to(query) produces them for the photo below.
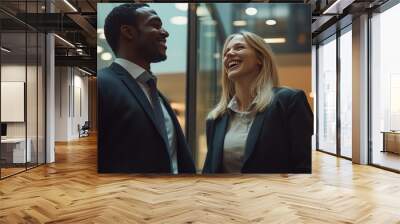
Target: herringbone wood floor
<point x="71" y="191"/>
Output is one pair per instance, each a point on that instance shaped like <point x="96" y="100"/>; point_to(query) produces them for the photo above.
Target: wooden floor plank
<point x="71" y="191"/>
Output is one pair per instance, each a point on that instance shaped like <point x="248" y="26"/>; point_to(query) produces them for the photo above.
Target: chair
<point x="84" y="130"/>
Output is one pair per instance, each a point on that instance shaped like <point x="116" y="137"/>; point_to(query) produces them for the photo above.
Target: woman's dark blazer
<point x="279" y="140"/>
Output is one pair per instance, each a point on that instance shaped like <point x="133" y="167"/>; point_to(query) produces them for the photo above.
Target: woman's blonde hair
<point x="261" y="89"/>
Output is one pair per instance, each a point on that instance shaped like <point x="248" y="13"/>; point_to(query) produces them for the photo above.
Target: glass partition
<point x="14" y="154"/>
<point x="208" y="75"/>
<point x="385" y="89"/>
<point x="327" y="95"/>
<point x="346" y="93"/>
<point x="22" y="89"/>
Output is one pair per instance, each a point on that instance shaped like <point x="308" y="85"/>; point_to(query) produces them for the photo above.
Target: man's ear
<point x="129" y="32"/>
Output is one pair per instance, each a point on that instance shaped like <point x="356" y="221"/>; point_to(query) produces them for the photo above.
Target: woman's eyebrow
<point x="234" y="45"/>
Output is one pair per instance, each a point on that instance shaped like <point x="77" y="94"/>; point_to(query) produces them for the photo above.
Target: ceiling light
<point x="179" y="20"/>
<point x="5" y="50"/>
<point x="106" y="56"/>
<point x="279" y="40"/>
<point x="79" y="50"/>
<point x="99" y="49"/>
<point x="43" y="7"/>
<point x="84" y="71"/>
<point x="202" y="11"/>
<point x="239" y="23"/>
<point x="335" y="8"/>
<point x="102" y="36"/>
<point x="64" y="40"/>
<point x="70" y="5"/>
<point x="251" y="11"/>
<point x="100" y="30"/>
<point x="270" y="22"/>
<point x="181" y="6"/>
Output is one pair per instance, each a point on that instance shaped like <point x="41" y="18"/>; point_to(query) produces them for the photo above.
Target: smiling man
<point x="138" y="131"/>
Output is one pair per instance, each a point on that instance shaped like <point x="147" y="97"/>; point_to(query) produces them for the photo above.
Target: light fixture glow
<point x="270" y="22"/>
<point x="102" y="36"/>
<point x="251" y="11"/>
<point x="106" y="56"/>
<point x="84" y="71"/>
<point x="330" y="8"/>
<point x="5" y="50"/>
<point x="179" y="20"/>
<point x="201" y="11"/>
<point x="100" y="30"/>
<point x="70" y="5"/>
<point x="239" y="23"/>
<point x="278" y="40"/>
<point x="65" y="41"/>
<point x="99" y="49"/>
<point x="181" y="6"/>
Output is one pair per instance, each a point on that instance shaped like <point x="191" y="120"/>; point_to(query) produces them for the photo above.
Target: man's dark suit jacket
<point x="128" y="139"/>
<point x="279" y="140"/>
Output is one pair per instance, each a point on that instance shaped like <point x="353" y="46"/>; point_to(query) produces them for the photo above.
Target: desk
<point x="391" y="141"/>
<point x="13" y="150"/>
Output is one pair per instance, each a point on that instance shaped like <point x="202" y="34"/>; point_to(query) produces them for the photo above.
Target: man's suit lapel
<point x="171" y="114"/>
<point x="253" y="136"/>
<point x="137" y="92"/>
<point x="218" y="141"/>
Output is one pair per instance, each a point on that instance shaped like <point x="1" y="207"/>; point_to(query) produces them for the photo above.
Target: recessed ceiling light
<point x="251" y="11"/>
<point x="43" y="7"/>
<point x="102" y="36"/>
<point x="240" y="23"/>
<point x="181" y="6"/>
<point x="278" y="40"/>
<point x="79" y="50"/>
<point x="99" y="49"/>
<point x="106" y="56"/>
<point x="270" y="22"/>
<point x="179" y="20"/>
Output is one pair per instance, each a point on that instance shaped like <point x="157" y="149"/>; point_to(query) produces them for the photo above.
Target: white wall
<point x="71" y="93"/>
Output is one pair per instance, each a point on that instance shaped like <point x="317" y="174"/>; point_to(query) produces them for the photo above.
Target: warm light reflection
<point x="279" y="40"/>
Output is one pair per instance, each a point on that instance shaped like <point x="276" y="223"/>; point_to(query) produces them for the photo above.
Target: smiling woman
<point x="257" y="127"/>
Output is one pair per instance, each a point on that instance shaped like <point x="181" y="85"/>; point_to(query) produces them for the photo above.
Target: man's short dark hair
<point x="124" y="14"/>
